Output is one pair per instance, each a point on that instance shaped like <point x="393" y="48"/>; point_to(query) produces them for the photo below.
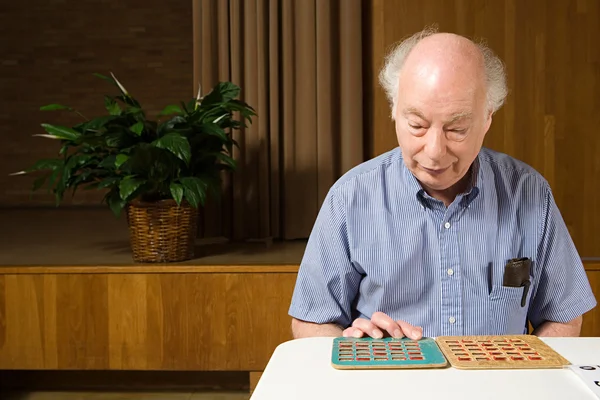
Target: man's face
<point x="441" y="121"/>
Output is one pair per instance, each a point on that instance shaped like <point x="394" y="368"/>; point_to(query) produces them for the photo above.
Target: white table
<point x="301" y="369"/>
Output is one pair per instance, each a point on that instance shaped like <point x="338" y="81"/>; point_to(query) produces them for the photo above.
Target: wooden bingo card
<point x="499" y="352"/>
<point x="369" y="353"/>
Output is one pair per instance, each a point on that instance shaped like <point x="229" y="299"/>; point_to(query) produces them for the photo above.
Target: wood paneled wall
<point x="153" y="321"/>
<point x="143" y="321"/>
<point x="551" y="118"/>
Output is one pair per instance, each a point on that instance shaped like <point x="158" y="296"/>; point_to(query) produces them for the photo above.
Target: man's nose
<point x="436" y="143"/>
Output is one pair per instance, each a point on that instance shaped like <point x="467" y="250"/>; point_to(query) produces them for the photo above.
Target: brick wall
<point x="51" y="48"/>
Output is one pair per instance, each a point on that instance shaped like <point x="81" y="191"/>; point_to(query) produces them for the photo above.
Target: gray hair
<point x="495" y="73"/>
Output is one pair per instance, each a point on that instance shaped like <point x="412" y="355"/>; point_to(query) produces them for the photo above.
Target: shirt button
<point x="450" y="271"/>
<point x="452" y="320"/>
<point x="447" y="225"/>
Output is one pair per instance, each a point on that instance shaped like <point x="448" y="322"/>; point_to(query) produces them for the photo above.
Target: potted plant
<point x="159" y="170"/>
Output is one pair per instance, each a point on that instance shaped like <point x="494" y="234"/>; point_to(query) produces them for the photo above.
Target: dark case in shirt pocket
<point x="517" y="275"/>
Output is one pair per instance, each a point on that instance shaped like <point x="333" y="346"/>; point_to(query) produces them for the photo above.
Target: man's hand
<point x="380" y="325"/>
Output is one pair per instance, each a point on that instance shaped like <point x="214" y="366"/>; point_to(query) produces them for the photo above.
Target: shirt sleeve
<point x="327" y="281"/>
<point x="564" y="291"/>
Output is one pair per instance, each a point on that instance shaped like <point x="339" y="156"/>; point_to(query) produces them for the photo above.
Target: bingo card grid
<point x="370" y="353"/>
<point x="499" y="352"/>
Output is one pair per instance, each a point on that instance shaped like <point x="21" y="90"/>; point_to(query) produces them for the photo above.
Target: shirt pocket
<point x="507" y="317"/>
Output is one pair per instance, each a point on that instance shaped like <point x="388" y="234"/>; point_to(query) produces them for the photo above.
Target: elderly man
<point x="440" y="236"/>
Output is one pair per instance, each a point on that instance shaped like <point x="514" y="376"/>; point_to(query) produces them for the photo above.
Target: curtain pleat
<point x="325" y="100"/>
<point x="287" y="110"/>
<point x="298" y="63"/>
<point x="274" y="132"/>
<point x="237" y="209"/>
<point x="350" y="92"/>
<point x="304" y="144"/>
<point x="251" y="138"/>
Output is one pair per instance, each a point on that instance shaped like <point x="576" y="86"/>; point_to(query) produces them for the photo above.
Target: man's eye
<point x="415" y="126"/>
<point x="456" y="130"/>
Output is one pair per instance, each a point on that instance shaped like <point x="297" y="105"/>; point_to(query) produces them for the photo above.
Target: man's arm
<point x="558" y="329"/>
<point x="563" y="289"/>
<point x="327" y="281"/>
<point x="303" y="329"/>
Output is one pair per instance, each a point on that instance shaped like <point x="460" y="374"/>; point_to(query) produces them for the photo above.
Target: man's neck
<point x="447" y="196"/>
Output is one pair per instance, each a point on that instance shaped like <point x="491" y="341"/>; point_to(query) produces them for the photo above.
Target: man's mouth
<point x="434" y="171"/>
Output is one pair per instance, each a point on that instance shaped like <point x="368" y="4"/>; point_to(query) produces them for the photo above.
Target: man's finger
<point x="352" y="332"/>
<point x="367" y="327"/>
<point x="383" y="321"/>
<point x="413" y="332"/>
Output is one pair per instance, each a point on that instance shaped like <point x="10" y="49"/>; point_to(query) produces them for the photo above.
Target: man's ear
<point x="488" y="122"/>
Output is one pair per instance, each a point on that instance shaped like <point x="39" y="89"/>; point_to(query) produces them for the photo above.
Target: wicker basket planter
<point x="162" y="231"/>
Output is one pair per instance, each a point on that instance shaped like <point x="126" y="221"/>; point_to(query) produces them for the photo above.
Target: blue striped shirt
<point x="380" y="243"/>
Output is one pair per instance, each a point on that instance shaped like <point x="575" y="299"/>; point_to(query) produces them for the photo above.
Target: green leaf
<point x="119" y="137"/>
<point x="128" y="186"/>
<point x="221" y="93"/>
<point x="106" y="78"/>
<point x="114" y="201"/>
<point x="108" y="161"/>
<point x="96" y="123"/>
<point x="84" y="178"/>
<point x="168" y="125"/>
<point x="73" y="164"/>
<point x="64" y="149"/>
<point x="61" y="132"/>
<point x="176" y="144"/>
<point x="53" y="178"/>
<point x="45" y="164"/>
<point x="111" y="106"/>
<point x="176" y="192"/>
<point x="137" y="128"/>
<point x="230" y="162"/>
<point x="107" y="182"/>
<point x="78" y="160"/>
<point x="171" y="109"/>
<point x="130" y="101"/>
<point x="120" y="160"/>
<point x="39" y="182"/>
<point x="194" y="190"/>
<point x="54" y="107"/>
<point x="184" y="107"/>
<point x="191" y="105"/>
<point x="133" y="110"/>
<point x="215" y="130"/>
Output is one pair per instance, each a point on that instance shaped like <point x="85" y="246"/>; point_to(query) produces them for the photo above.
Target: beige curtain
<point x="298" y="63"/>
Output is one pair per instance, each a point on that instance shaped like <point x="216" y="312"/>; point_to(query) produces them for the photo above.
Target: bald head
<point x="429" y="57"/>
<point x="442" y="68"/>
<point x="444" y="56"/>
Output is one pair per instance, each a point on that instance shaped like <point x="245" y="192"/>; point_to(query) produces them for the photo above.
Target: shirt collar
<point x="471" y="193"/>
<point x="475" y="184"/>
